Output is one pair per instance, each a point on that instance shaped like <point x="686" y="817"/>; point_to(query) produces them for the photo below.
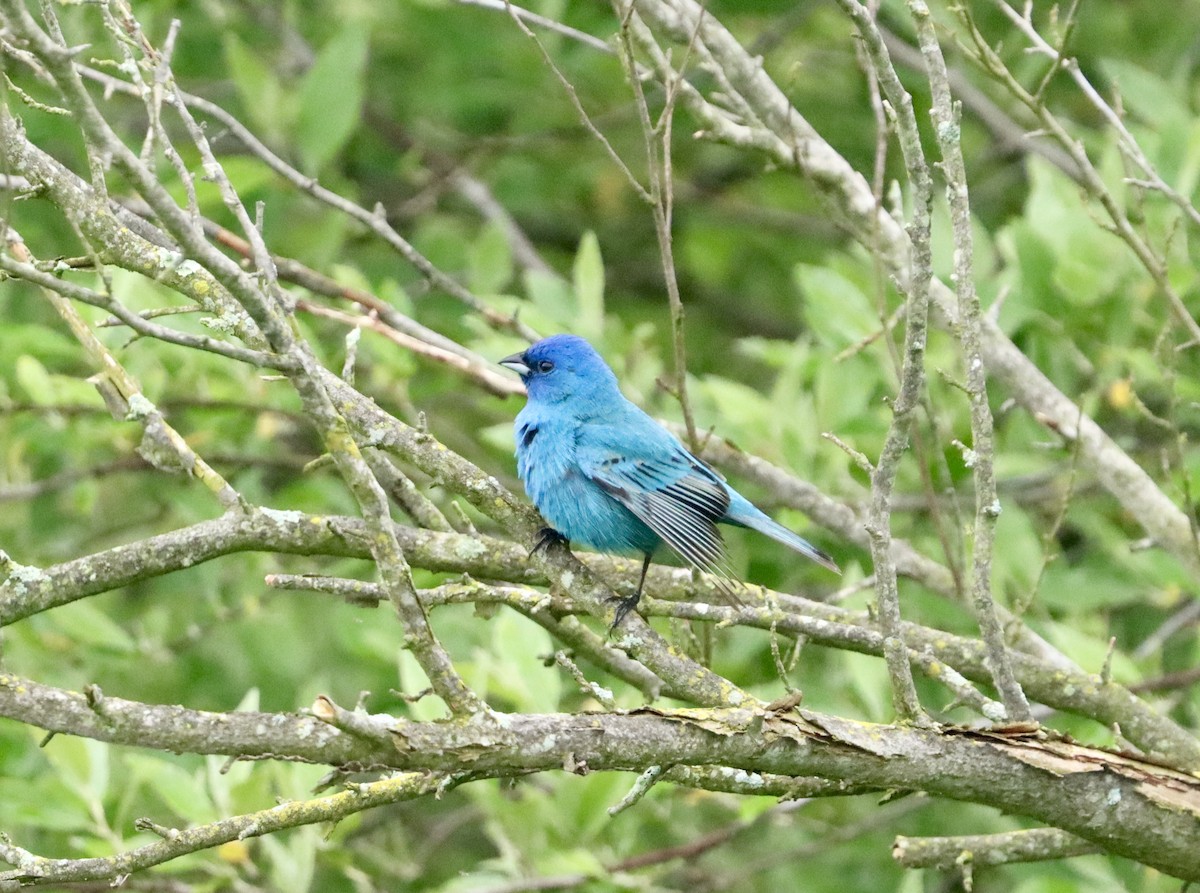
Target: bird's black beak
<point x="516" y="363"/>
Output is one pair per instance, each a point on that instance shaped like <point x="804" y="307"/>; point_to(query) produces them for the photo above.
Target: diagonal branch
<point x="271" y="318"/>
<point x="789" y="140"/>
<point x="38" y="871"/>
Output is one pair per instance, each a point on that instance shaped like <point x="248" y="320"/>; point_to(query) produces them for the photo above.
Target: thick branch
<point x="25" y="591"/>
<point x="1130" y="808"/>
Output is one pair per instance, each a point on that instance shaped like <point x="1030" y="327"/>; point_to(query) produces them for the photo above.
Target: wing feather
<point x="676" y="497"/>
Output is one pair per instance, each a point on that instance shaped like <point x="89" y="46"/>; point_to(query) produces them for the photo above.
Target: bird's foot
<point x="624" y="606"/>
<point x="547" y="537"/>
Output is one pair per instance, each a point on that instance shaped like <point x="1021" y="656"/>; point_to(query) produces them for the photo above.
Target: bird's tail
<point x="744" y="514"/>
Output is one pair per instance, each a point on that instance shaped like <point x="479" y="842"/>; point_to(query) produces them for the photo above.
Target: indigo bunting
<point x="606" y="475"/>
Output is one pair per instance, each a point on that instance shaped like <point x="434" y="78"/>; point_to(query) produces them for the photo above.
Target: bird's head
<point x="563" y="367"/>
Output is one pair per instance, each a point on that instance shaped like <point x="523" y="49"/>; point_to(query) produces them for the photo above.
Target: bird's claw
<point x="624" y="606"/>
<point x="547" y="537"/>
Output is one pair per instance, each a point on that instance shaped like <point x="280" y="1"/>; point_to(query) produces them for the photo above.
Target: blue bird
<point x="606" y="475"/>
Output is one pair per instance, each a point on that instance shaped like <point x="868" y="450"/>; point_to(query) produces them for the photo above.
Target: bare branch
<point x="783" y="135"/>
<point x="912" y="375"/>
<point x="946" y="120"/>
<point x="372" y="220"/>
<point x="490" y="380"/>
<point x="1151" y="816"/>
<point x="270" y="316"/>
<point x="970" y="851"/>
<point x="37" y="871"/>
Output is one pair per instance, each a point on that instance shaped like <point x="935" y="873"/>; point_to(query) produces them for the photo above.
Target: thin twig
<point x="1008" y="133"/>
<point x="580" y="111"/>
<point x="553" y="25"/>
<point x="374" y="221"/>
<point x="267" y="310"/>
<point x="493" y="382"/>
<point x="912" y="375"/>
<point x="657" y="139"/>
<point x="777" y="130"/>
<point x="1093" y="181"/>
<point x="161" y="445"/>
<point x="1060" y="61"/>
<point x="948" y="853"/>
<point x="138" y="322"/>
<point x="947" y="122"/>
<point x="40" y="870"/>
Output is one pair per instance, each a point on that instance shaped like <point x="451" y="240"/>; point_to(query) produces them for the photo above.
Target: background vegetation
<point x="445" y="124"/>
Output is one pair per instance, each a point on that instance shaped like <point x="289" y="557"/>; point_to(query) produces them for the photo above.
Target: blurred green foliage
<point x="384" y="102"/>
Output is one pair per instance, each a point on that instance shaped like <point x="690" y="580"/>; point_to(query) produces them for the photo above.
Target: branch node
<point x="95" y="697"/>
<point x="169" y="834"/>
<point x="641" y="786"/>
<point x="860" y="459"/>
<point x="575" y="767"/>
<point x="597" y="691"/>
<point x="1106" y="669"/>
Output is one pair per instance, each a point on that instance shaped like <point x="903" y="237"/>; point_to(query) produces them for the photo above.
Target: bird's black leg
<point x="548" y="536"/>
<point x="625" y="605"/>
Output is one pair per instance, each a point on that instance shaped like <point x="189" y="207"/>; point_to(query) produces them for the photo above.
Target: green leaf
<point x="499" y="435"/>
<point x="85" y="624"/>
<point x="41" y="801"/>
<point x="292" y="858"/>
<point x="1016" y="564"/>
<point x="835" y="308"/>
<point x="249" y="175"/>
<point x="846" y="394"/>
<point x="1090" y="651"/>
<point x="490" y="260"/>
<point x="267" y="105"/>
<point x="352" y="277"/>
<point x="35" y="380"/>
<point x="1033" y="260"/>
<point x="869" y="682"/>
<point x="331" y="96"/>
<point x="1150" y="97"/>
<point x="1189" y="167"/>
<point x="413" y="680"/>
<point x="249" y="702"/>
<point x="736" y="407"/>
<point x="82" y="764"/>
<point x="588" y="278"/>
<point x="510" y="667"/>
<point x="577" y="860"/>
<point x="552" y="306"/>
<point x="1091" y="587"/>
<point x="181" y="791"/>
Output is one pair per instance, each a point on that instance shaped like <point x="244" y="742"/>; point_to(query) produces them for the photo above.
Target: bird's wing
<point x="670" y="491"/>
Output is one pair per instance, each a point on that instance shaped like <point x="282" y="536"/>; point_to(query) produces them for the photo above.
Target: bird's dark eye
<point x="545" y="366"/>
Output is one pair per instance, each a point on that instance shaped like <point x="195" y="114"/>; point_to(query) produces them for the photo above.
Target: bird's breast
<point x="568" y="499"/>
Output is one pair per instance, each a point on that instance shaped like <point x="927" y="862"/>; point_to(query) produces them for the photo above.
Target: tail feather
<point x="744" y="514"/>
